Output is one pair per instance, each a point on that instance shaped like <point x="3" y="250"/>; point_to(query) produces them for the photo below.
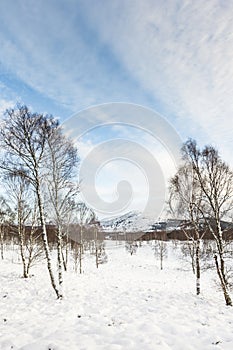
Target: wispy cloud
<point x="180" y="52"/>
<point x="50" y="47"/>
<point x="175" y="56"/>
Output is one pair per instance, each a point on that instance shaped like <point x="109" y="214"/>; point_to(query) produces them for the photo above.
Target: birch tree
<point x="215" y="179"/>
<point x="84" y="216"/>
<point x="61" y="161"/>
<point x="23" y="200"/>
<point x="131" y="246"/>
<point x="24" y="136"/>
<point x="99" y="250"/>
<point x="160" y="250"/>
<point x="70" y="208"/>
<point x="186" y="200"/>
<point x="6" y="219"/>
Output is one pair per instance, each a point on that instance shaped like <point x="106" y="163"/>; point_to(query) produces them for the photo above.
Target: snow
<point x="128" y="303"/>
<point x="133" y="221"/>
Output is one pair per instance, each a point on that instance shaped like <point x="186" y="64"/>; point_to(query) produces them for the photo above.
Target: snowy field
<point x="128" y="303"/>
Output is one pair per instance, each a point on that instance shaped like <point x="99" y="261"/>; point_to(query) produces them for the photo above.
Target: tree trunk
<point x="45" y="241"/>
<point x="21" y="234"/>
<point x="192" y="254"/>
<point x="30" y="256"/>
<point x="81" y="249"/>
<point x="198" y="270"/>
<point x="80" y="258"/>
<point x="223" y="285"/>
<point x="28" y="266"/>
<point x="96" y="257"/>
<point x="59" y="255"/>
<point x="2" y="237"/>
<point x="75" y="263"/>
<point x="25" y="273"/>
<point x="161" y="257"/>
<point x="96" y="249"/>
<point x="64" y="259"/>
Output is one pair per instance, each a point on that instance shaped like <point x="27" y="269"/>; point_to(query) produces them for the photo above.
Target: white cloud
<point x="4" y="105"/>
<point x="181" y="52"/>
<point x="136" y="157"/>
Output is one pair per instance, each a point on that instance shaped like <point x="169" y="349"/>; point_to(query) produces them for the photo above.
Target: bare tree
<point x="160" y="249"/>
<point x="70" y="217"/>
<point x="24" y="136"/>
<point x="186" y="201"/>
<point x="131" y="246"/>
<point x="215" y="179"/>
<point x="6" y="219"/>
<point x="76" y="255"/>
<point x="84" y="216"/>
<point x="18" y="189"/>
<point x="61" y="162"/>
<point x="99" y="250"/>
<point x="101" y="255"/>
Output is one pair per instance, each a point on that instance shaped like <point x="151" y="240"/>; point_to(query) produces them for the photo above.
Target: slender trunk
<point x="75" y="262"/>
<point x="64" y="259"/>
<point x="198" y="270"/>
<point x="59" y="255"/>
<point x="96" y="249"/>
<point x="45" y="241"/>
<point x="80" y="258"/>
<point x="21" y="233"/>
<point x="223" y="284"/>
<point x="222" y="264"/>
<point x="192" y="254"/>
<point x="30" y="256"/>
<point x="2" y="237"/>
<point x="221" y="251"/>
<point x="193" y="267"/>
<point x="28" y="266"/>
<point x="25" y="274"/>
<point x="96" y="257"/>
<point x="81" y="237"/>
<point x="161" y="257"/>
<point x="161" y="263"/>
<point x="31" y="240"/>
<point x="81" y="249"/>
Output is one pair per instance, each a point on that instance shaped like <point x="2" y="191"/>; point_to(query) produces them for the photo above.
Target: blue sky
<point x="53" y="58"/>
<point x="172" y="56"/>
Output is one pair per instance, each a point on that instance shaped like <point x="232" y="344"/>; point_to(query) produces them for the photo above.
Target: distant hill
<point x="135" y="221"/>
<point x="131" y="222"/>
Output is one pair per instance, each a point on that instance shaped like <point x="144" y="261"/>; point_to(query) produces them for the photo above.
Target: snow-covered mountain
<point x="135" y="221"/>
<point x="132" y="221"/>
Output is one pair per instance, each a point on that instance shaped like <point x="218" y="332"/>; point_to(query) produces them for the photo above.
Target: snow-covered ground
<point x="128" y="303"/>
